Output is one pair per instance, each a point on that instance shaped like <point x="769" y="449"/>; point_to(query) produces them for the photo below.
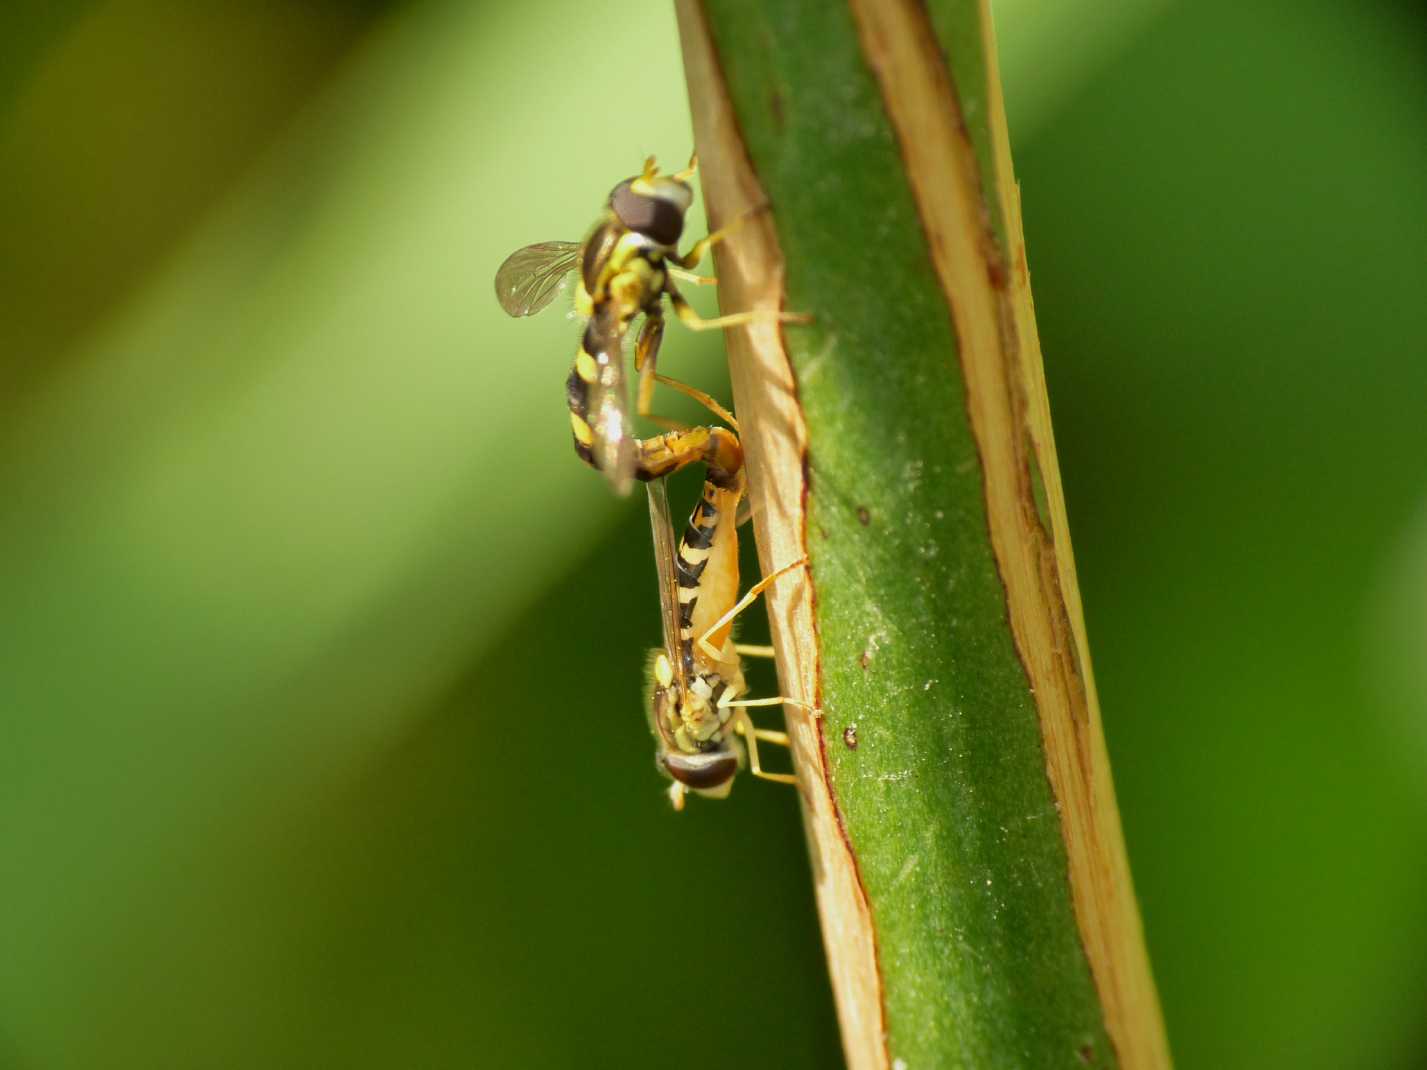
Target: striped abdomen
<point x="707" y="565"/>
<point x="599" y="421"/>
<point x="595" y="383"/>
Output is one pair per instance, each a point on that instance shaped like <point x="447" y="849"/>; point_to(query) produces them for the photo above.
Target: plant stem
<point x="967" y="853"/>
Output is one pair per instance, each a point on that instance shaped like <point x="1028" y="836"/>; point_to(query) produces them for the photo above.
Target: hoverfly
<point x="696" y="680"/>
<point x="625" y="268"/>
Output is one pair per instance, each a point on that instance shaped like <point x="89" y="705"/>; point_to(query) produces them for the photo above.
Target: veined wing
<point x="531" y="277"/>
<point x="615" y="446"/>
<point x="666" y="558"/>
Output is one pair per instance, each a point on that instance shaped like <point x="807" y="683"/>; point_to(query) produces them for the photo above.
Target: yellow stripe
<point x="582" y="430"/>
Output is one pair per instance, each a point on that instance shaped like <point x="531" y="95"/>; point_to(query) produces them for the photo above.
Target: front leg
<point x="703" y="245"/>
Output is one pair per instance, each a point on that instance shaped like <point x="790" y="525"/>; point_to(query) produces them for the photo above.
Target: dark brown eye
<point x="657" y="219"/>
<point x="702" y="771"/>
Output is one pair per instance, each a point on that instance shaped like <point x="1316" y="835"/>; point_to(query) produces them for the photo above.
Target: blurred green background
<point x="321" y="739"/>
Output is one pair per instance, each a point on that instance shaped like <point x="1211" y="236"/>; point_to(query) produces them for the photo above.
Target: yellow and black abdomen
<point x="580" y="387"/>
<point x="707" y="566"/>
<point x="600" y="444"/>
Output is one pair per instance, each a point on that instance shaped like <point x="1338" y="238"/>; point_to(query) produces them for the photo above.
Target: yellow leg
<point x="750" y="736"/>
<point x="646" y="357"/>
<point x="750" y="651"/>
<point x="743" y="603"/>
<point x="780" y="700"/>
<point x="768" y="735"/>
<point x="692" y="320"/>
<point x="689" y="276"/>
<point x="698" y="395"/>
<point x="701" y="247"/>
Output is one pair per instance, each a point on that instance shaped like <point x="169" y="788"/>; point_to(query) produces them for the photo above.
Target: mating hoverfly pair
<point x="625" y="268"/>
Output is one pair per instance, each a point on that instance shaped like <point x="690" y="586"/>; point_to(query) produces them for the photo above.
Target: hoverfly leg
<point x="769" y="735"/>
<point x="743" y="603"/>
<point x="751" y="736"/>
<point x="703" y="399"/>
<point x="748" y="650"/>
<point x="692" y="320"/>
<point x="646" y="356"/>
<point x="689" y="276"/>
<point x="701" y="247"/>
<point x="776" y="700"/>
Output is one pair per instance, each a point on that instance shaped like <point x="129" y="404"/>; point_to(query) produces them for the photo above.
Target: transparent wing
<point x="666" y="558"/>
<point x="615" y="446"/>
<point x="531" y="277"/>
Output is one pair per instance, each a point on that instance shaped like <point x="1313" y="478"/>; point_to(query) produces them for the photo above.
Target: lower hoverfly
<point x="701" y="724"/>
<point x="625" y="268"/>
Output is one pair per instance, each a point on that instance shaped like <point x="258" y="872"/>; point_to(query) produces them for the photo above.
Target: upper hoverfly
<point x="695" y="702"/>
<point x="625" y="268"/>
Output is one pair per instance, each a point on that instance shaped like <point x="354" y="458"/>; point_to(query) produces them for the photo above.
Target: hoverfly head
<point x="653" y="205"/>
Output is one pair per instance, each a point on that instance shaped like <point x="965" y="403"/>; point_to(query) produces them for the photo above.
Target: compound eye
<point x="659" y="219"/>
<point x="702" y="772"/>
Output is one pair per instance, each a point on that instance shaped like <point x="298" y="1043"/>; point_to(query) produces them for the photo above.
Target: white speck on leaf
<point x="906" y="870"/>
<point x="874" y="644"/>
